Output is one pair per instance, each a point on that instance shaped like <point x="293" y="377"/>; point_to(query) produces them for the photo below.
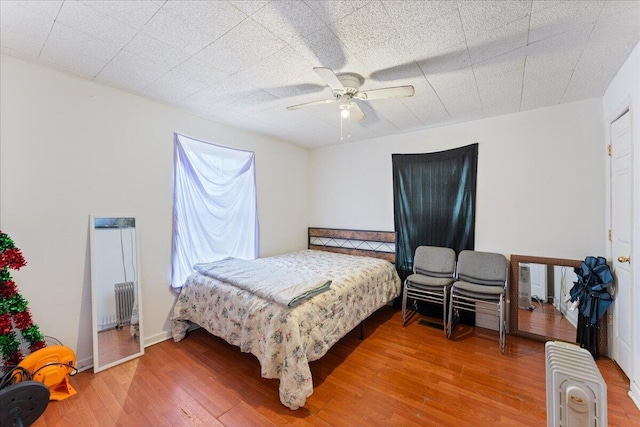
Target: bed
<point x="286" y="339"/>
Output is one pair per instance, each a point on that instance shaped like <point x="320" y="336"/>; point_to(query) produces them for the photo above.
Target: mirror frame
<point x="94" y="291"/>
<point x="513" y="292"/>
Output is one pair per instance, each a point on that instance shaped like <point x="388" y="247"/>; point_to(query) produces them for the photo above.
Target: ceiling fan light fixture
<point x="344" y="110"/>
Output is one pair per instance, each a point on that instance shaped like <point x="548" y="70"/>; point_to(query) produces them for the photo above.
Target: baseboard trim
<point x="84" y="364"/>
<point x="158" y="338"/>
<point x="634" y="393"/>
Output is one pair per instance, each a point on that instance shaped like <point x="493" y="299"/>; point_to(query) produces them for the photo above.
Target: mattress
<point x="285" y="339"/>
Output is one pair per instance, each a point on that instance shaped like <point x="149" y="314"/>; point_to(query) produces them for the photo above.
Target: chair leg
<point x="444" y="311"/>
<point x="502" y="324"/>
<point x="449" y="327"/>
<point x="404" y="304"/>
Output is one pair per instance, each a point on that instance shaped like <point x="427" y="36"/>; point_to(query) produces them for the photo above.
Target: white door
<point x="539" y="282"/>
<point x="621" y="214"/>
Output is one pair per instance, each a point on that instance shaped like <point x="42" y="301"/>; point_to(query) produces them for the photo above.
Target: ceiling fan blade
<point x="306" y="104"/>
<point x="388" y="92"/>
<point x="329" y="78"/>
<point x="356" y="113"/>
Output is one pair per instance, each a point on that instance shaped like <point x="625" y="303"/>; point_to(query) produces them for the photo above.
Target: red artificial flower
<point x="8" y="289"/>
<point x="6" y="325"/>
<point x="12" y="258"/>
<point x="23" y="319"/>
<point x="37" y="346"/>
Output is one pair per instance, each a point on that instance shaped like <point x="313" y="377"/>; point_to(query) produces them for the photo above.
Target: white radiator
<point x="576" y="391"/>
<point x="124" y="303"/>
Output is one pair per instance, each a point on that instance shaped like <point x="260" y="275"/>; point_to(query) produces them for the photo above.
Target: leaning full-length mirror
<point x="115" y="291"/>
<point x="539" y="305"/>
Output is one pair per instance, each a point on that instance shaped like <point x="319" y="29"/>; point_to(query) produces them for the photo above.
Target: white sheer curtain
<point x="214" y="205"/>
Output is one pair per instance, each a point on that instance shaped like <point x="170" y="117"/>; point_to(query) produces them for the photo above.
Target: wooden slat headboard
<point x="376" y="244"/>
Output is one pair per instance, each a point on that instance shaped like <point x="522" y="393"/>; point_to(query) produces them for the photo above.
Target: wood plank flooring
<point x="396" y="376"/>
<point x="546" y="320"/>
<point x="116" y="344"/>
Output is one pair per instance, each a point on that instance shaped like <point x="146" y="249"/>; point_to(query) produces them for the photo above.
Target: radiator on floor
<point x="576" y="391"/>
<point x="124" y="303"/>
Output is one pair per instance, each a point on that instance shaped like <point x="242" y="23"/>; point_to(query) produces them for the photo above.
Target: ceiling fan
<point x="346" y="88"/>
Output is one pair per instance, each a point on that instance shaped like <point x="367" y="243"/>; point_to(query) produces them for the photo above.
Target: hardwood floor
<point x="546" y="320"/>
<point x="115" y="344"/>
<point x="396" y="376"/>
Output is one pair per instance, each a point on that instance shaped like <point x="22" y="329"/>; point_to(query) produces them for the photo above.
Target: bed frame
<point x="376" y="244"/>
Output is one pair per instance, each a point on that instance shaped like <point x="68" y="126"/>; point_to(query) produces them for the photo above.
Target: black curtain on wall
<point x="434" y="202"/>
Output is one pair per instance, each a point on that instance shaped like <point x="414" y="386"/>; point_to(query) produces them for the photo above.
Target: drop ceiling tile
<point x="556" y="54"/>
<point x="390" y="62"/>
<point x="245" y="45"/>
<point x="298" y="93"/>
<point x="455" y="58"/>
<point x="22" y="31"/>
<point x="544" y="91"/>
<point x="418" y="15"/>
<point x="249" y="6"/>
<point x="586" y="84"/>
<point x="613" y="7"/>
<point x="425" y="104"/>
<point x="187" y="78"/>
<point x="387" y="42"/>
<point x="222" y="93"/>
<point x="288" y="20"/>
<point x="282" y="68"/>
<point x="300" y="121"/>
<point x="90" y="21"/>
<point x="75" y="52"/>
<point x="491" y="70"/>
<point x="366" y="27"/>
<point x="405" y="122"/>
<point x="322" y="49"/>
<point x="501" y="94"/>
<point x="481" y="17"/>
<point x="164" y="56"/>
<point x="455" y="78"/>
<point x="373" y="123"/>
<point x="48" y="9"/>
<point x="625" y="25"/>
<point x="254" y="103"/>
<point x="394" y="111"/>
<point x="443" y="34"/>
<point x="134" y="13"/>
<point x="561" y="17"/>
<point x="493" y="28"/>
<point x="601" y="53"/>
<point x="129" y="72"/>
<point x="171" y="95"/>
<point x="193" y="25"/>
<point x="460" y="100"/>
<point x="332" y="11"/>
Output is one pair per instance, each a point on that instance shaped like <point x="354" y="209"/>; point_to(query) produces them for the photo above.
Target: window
<point x="214" y="205"/>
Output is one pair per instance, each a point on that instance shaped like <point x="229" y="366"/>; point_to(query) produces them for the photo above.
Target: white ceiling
<point x="242" y="62"/>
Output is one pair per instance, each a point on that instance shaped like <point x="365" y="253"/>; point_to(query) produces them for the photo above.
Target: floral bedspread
<point x="284" y="339"/>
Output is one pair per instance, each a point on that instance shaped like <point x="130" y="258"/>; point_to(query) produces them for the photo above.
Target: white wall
<point x="70" y="148"/>
<point x="624" y="92"/>
<point x="539" y="190"/>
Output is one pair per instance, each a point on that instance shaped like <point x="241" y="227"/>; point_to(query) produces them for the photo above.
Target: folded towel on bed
<point x="285" y="287"/>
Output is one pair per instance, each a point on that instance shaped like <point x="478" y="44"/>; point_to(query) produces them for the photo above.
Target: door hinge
<point x="609" y="150"/>
<point x="609" y="234"/>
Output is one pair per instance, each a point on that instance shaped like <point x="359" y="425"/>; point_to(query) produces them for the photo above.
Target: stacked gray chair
<point x="480" y="287"/>
<point x="434" y="269"/>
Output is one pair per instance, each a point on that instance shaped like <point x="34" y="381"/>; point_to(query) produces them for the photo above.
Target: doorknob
<point x="622" y="259"/>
